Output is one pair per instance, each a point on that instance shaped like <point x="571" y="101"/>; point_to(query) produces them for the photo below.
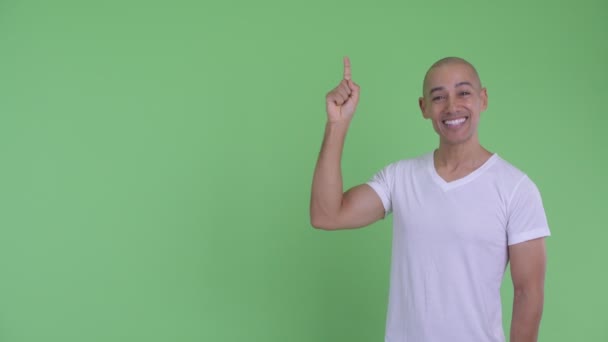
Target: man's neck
<point x="466" y="157"/>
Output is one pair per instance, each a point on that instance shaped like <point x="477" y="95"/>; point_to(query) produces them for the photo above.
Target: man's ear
<point x="484" y="99"/>
<point x="422" y="105"/>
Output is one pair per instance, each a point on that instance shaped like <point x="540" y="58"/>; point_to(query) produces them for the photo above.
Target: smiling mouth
<point x="455" y="122"/>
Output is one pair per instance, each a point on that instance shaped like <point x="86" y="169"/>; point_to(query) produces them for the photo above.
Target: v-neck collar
<point x="446" y="186"/>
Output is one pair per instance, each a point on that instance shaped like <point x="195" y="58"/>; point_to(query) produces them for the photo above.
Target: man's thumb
<point x="354" y="87"/>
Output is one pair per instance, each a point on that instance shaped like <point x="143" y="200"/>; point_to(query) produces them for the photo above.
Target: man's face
<point x="453" y="100"/>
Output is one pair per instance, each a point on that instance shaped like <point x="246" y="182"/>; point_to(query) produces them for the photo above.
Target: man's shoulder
<point x="506" y="172"/>
<point x="505" y="166"/>
<point x="405" y="167"/>
<point x="418" y="161"/>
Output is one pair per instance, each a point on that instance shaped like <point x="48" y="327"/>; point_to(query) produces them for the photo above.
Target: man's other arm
<point x="528" y="263"/>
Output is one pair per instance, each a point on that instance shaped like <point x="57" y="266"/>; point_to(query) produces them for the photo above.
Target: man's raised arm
<point x="330" y="208"/>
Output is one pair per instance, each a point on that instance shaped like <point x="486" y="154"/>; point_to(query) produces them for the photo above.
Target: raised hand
<point x="341" y="102"/>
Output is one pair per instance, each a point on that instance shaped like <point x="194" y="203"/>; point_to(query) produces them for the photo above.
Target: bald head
<point x="447" y="61"/>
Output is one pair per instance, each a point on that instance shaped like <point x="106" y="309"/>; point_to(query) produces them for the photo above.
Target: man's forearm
<point x="527" y="312"/>
<point x="327" y="188"/>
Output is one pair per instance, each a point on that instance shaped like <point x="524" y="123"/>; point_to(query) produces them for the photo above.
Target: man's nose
<point x="452" y="105"/>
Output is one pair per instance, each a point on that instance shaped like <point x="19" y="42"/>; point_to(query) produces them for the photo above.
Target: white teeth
<point x="455" y="121"/>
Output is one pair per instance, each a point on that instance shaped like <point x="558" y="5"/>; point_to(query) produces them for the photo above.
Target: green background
<point x="156" y="160"/>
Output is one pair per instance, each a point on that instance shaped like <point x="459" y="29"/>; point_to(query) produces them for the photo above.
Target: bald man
<point x="460" y="214"/>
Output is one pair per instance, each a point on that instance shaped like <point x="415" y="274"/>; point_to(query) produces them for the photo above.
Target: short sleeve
<point x="382" y="183"/>
<point x="526" y="215"/>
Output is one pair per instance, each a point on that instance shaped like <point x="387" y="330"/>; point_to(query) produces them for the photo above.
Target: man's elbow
<point x="320" y="224"/>
<point x="526" y="291"/>
<point x="530" y="297"/>
<point x="523" y="289"/>
<point x="319" y="217"/>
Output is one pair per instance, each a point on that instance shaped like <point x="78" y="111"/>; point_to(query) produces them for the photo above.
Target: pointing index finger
<point x="347" y="73"/>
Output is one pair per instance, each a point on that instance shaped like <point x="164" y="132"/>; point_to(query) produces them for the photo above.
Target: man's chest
<point x="469" y="214"/>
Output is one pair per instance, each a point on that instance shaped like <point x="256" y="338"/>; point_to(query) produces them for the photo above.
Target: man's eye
<point x="464" y="93"/>
<point x="438" y="98"/>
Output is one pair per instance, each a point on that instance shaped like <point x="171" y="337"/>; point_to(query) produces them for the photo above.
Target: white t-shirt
<point x="450" y="244"/>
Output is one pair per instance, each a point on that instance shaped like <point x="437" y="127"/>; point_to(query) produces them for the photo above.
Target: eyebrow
<point x="457" y="85"/>
<point x="436" y="89"/>
<point x="464" y="83"/>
